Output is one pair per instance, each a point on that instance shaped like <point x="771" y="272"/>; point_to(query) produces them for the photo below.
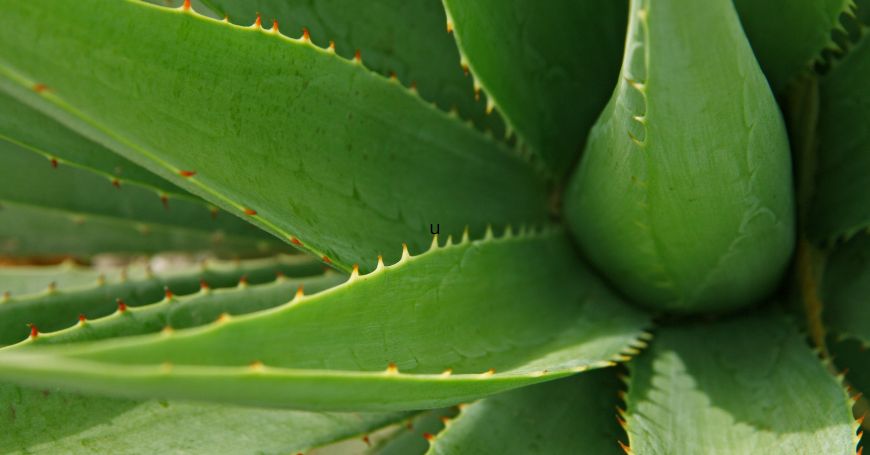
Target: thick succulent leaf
<point x="684" y="195"/>
<point x="455" y="323"/>
<point x="743" y="385"/>
<point x="841" y="204"/>
<point x="57" y="308"/>
<point x="413" y="438"/>
<point x="29" y="231"/>
<point x="49" y="421"/>
<point x="547" y="68"/>
<point x="310" y="146"/>
<point x="36" y="278"/>
<point x="30" y="129"/>
<point x="788" y="36"/>
<point x="31" y="180"/>
<point x="845" y="289"/>
<point x="572" y="415"/>
<point x="407" y="39"/>
<point x="188" y="311"/>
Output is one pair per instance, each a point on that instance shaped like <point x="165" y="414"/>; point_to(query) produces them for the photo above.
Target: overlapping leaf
<point x="429" y="331"/>
<point x="845" y="289"/>
<point x="310" y="146"/>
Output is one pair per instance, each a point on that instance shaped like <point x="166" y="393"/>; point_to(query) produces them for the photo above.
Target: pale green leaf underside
<point x="846" y="289"/>
<point x="549" y="69"/>
<point x="572" y="415"/>
<point x="788" y="36"/>
<point x="49" y="421"/>
<point x="841" y="204"/>
<point x="343" y="160"/>
<point x="405" y="38"/>
<point x="59" y="308"/>
<point x="540" y="317"/>
<point x="744" y="385"/>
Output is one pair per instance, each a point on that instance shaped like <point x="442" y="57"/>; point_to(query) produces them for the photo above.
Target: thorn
<point x="300" y="292"/>
<point x="168" y="330"/>
<point x="250" y="212"/>
<point x="413" y="86"/>
<point x="434" y="245"/>
<point x="405" y="253"/>
<point x="428" y="436"/>
<point x="449" y="26"/>
<point x="306" y="37"/>
<point x="274" y="28"/>
<point x="393" y="76"/>
<point x="357" y="57"/>
<point x="82" y="319"/>
<point x="165" y="200"/>
<point x="243" y="280"/>
<point x="226" y="19"/>
<point x="214" y="212"/>
<point x="52" y="287"/>
<point x="447" y="372"/>
<point x="203" y="285"/>
<point x="409" y="425"/>
<point x="445" y="420"/>
<point x="380" y="263"/>
<point x="464" y="67"/>
<point x="488" y="373"/>
<point x="392" y="368"/>
<point x="39" y="88"/>
<point x="354" y="274"/>
<point x="331" y="47"/>
<point x="34" y="332"/>
<point x="167" y="293"/>
<point x="258" y="23"/>
<point x="186" y="173"/>
<point x="490" y="105"/>
<point x="186" y="5"/>
<point x="295" y="241"/>
<point x="224" y="317"/>
<point x="116" y="183"/>
<point x="326" y="260"/>
<point x="279" y="275"/>
<point x="54" y="163"/>
<point x="466" y="236"/>
<point x="366" y="440"/>
<point x="256" y="365"/>
<point x="624" y="447"/>
<point x="122" y="307"/>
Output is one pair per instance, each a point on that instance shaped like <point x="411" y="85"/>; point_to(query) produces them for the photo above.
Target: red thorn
<point x="187" y="173"/>
<point x="122" y="307"/>
<point x="295" y="241"/>
<point x="357" y="56"/>
<point x="305" y="35"/>
<point x="116" y="183"/>
<point x="326" y="260"/>
<point x="428" y="436"/>
<point x="54" y="163"/>
<point x="250" y="212"/>
<point x="243" y="279"/>
<point x="413" y="85"/>
<point x="164" y="199"/>
<point x="366" y="440"/>
<point x="259" y="22"/>
<point x="39" y="88"/>
<point x="186" y="5"/>
<point x="445" y="420"/>
<point x="167" y="293"/>
<point x="34" y="332"/>
<point x="203" y="284"/>
<point x="82" y="318"/>
<point x="860" y="449"/>
<point x="624" y="447"/>
<point x="393" y="75"/>
<point x="275" y="25"/>
<point x="279" y="274"/>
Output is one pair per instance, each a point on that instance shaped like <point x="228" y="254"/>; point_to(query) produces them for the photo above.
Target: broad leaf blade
<point x="745" y="385"/>
<point x="548" y="69"/>
<point x="308" y="145"/>
<point x="510" y="312"/>
<point x="841" y="204"/>
<point x="572" y="415"/>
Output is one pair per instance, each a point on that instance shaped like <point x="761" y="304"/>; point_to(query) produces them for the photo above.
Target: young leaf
<point x="745" y="385"/>
<point x="841" y="204"/>
<point x="683" y="196"/>
<point x="571" y="415"/>
<point x="312" y="147"/>
<point x="453" y="324"/>
<point x="788" y="36"/>
<point x="57" y="308"/>
<point x="548" y="68"/>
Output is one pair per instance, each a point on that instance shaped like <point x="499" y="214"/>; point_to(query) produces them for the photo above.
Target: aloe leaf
<point x="788" y="36"/>
<point x="743" y="385"/>
<point x="548" y="69"/>
<point x="411" y="331"/>
<point x="29" y="231"/>
<point x="414" y="437"/>
<point x="571" y="415"/>
<point x="846" y="289"/>
<point x="36" y="278"/>
<point x="49" y="421"/>
<point x="32" y="180"/>
<point x="200" y="308"/>
<point x="698" y="217"/>
<point x="57" y="308"/>
<point x="405" y="39"/>
<point x="840" y="205"/>
<point x="312" y="147"/>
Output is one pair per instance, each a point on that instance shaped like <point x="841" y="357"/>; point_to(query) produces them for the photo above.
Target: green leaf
<point x="308" y="145"/>
<point x="572" y="415"/>
<point x="412" y="439"/>
<point x="684" y="193"/>
<point x="405" y="38"/>
<point x="742" y="385"/>
<point x="200" y="308"/>
<point x="788" y="36"/>
<point x="57" y="308"/>
<point x="845" y="289"/>
<point x="547" y="69"/>
<point x="453" y="324"/>
<point x="30" y="279"/>
<point x="31" y="180"/>
<point x="841" y="205"/>
<point x="50" y="421"/>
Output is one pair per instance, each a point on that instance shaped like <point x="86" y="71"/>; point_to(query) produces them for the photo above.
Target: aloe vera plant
<point x="491" y="257"/>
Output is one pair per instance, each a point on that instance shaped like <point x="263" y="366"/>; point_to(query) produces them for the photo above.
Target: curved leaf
<point x="56" y="308"/>
<point x="841" y="203"/>
<point x="788" y="36"/>
<point x="429" y="331"/>
<point x="548" y="69"/>
<point x="744" y="385"/>
<point x="406" y="39"/>
<point x="310" y="146"/>
<point x="571" y="415"/>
